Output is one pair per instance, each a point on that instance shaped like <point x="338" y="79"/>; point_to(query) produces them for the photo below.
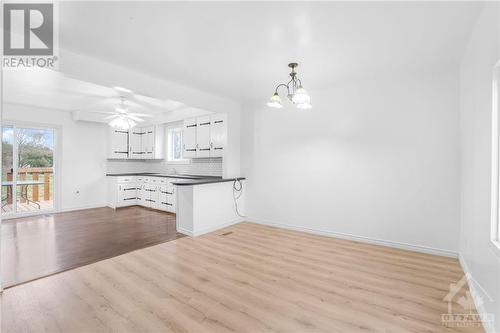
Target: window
<point x="175" y="145"/>
<point x="27" y="169"/>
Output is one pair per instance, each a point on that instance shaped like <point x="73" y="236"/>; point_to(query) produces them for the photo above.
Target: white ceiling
<point x="54" y="90"/>
<point x="240" y="49"/>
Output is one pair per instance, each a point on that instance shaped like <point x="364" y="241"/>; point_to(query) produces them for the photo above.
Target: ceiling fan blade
<point x="111" y="117"/>
<point x="101" y="112"/>
<point x="134" y="118"/>
<point x="140" y="114"/>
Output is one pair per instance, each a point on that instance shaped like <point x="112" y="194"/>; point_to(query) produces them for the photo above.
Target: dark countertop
<point x="148" y="174"/>
<point x="188" y="179"/>
<point x="205" y="181"/>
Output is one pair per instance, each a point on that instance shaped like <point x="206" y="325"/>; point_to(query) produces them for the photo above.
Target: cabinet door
<point x="147" y="195"/>
<point x="127" y="194"/>
<point x="171" y="198"/>
<point x="162" y="197"/>
<point x="218" y="135"/>
<point x="153" y="196"/>
<point x="190" y="138"/>
<point x="148" y="142"/>
<point x="118" y="144"/>
<point x="141" y="194"/>
<point x="135" y="137"/>
<point x="203" y="136"/>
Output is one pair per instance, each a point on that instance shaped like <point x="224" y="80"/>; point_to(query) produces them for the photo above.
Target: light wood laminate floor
<point x="245" y="278"/>
<point x="37" y="246"/>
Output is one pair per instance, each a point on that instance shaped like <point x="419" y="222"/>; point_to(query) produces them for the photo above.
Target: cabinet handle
<point x="218" y="148"/>
<point x="218" y="122"/>
<point x="188" y="126"/>
<point x="205" y="124"/>
<point x="204" y="149"/>
<point x="190" y="149"/>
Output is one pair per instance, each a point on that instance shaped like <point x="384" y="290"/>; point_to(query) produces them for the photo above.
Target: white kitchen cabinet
<point x="127" y="194"/>
<point x="189" y="136"/>
<point x="203" y="136"/>
<point x="152" y="192"/>
<point x="138" y="143"/>
<point x="119" y="144"/>
<point x="150" y="195"/>
<point x="135" y="139"/>
<point x="218" y="134"/>
<point x="148" y="142"/>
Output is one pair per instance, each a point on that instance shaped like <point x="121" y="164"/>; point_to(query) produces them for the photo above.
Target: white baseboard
<point x="376" y="241"/>
<point x="71" y="209"/>
<point x="207" y="230"/>
<point x="488" y="326"/>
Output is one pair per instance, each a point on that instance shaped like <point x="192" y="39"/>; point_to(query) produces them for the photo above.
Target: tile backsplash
<point x="198" y="166"/>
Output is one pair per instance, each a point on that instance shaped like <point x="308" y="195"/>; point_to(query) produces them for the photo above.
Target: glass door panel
<point x="35" y="169"/>
<point x="7" y="170"/>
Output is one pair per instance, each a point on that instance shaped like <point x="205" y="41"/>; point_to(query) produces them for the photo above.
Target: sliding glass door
<point x="27" y="169"/>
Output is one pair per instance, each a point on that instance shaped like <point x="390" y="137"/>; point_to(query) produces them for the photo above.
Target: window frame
<point x="495" y="155"/>
<point x="57" y="167"/>
<point x="170" y="159"/>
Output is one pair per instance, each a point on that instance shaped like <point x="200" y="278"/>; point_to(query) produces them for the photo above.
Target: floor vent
<point x="227" y="233"/>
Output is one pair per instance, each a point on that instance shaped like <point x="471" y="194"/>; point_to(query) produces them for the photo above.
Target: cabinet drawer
<point x="125" y="179"/>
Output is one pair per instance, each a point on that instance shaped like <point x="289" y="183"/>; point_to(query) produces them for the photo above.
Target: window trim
<point x="169" y="146"/>
<point x="495" y="155"/>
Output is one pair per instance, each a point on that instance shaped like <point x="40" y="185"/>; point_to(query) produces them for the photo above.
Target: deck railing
<point x="35" y="174"/>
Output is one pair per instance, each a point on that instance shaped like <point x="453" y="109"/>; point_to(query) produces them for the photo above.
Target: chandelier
<point x="295" y="92"/>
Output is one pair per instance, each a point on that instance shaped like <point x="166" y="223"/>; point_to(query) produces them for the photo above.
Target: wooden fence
<point x="23" y="173"/>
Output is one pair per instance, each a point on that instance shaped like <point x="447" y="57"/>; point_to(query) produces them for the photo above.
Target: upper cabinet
<point x="137" y="143"/>
<point x="205" y="136"/>
<point x="119" y="144"/>
<point x="218" y="135"/>
<point x="190" y="138"/>
<point x="203" y="126"/>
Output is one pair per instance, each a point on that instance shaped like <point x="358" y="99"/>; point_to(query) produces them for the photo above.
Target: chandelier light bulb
<point x="275" y="101"/>
<point x="300" y="96"/>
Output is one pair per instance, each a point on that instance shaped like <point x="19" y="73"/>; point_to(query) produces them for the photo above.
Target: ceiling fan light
<point x="301" y="96"/>
<point x="120" y="109"/>
<point x="275" y="101"/>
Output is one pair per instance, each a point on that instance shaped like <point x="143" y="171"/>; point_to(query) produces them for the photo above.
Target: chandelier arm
<point x="281" y="85"/>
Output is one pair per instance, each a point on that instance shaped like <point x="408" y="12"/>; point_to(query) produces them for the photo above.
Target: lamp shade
<point x="300" y="96"/>
<point x="275" y="101"/>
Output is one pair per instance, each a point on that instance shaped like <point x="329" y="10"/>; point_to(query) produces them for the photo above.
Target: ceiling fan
<point x="122" y="118"/>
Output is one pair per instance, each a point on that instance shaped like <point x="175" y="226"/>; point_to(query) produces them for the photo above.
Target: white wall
<point x="376" y="159"/>
<point x="481" y="54"/>
<point x="83" y="154"/>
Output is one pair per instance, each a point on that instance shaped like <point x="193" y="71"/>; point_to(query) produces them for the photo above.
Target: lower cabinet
<point x="127" y="194"/>
<point x="152" y="192"/>
<point x="166" y="198"/>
